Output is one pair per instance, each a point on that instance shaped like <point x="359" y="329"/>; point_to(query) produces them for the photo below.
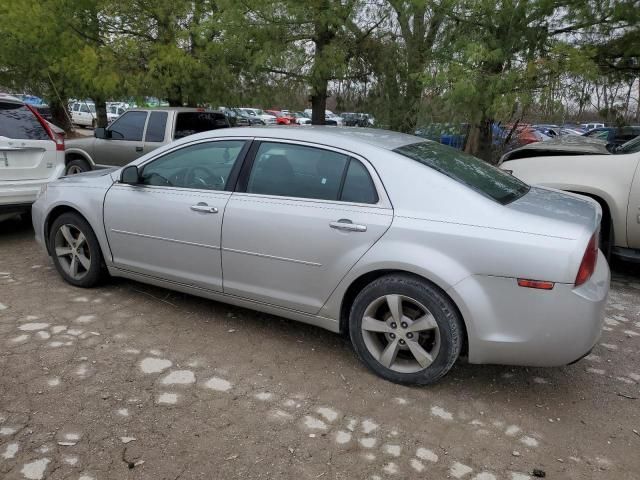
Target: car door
<point x="123" y="142"/>
<point x="85" y="115"/>
<point x="168" y="226"/>
<point x="75" y="113"/>
<point x="301" y="218"/>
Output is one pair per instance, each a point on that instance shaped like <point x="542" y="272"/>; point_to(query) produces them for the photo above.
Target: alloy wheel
<point x="400" y="333"/>
<point x="73" y="169"/>
<point x="72" y="250"/>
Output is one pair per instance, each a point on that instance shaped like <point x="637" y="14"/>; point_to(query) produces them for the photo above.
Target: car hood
<point x="565" y="145"/>
<point x="92" y="177"/>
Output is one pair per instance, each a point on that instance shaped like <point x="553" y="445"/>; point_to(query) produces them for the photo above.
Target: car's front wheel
<point x="406" y="330"/>
<point x="75" y="250"/>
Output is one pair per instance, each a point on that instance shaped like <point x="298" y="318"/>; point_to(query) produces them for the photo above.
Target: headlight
<point x="43" y="190"/>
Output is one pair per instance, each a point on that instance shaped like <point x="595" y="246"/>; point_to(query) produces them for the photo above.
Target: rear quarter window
<point x="190" y="123"/>
<point x="18" y="122"/>
<point x="467" y="170"/>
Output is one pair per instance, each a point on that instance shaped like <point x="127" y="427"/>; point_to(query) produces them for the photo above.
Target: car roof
<point x="341" y="137"/>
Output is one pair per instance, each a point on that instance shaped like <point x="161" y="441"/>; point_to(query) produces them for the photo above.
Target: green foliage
<point x="410" y="62"/>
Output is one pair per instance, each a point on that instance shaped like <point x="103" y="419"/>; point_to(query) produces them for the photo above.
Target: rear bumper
<point x="10" y="208"/>
<point x="511" y="325"/>
<point x="25" y="191"/>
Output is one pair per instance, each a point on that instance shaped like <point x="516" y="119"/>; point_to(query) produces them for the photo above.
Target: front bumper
<point x="37" y="219"/>
<point x="510" y="325"/>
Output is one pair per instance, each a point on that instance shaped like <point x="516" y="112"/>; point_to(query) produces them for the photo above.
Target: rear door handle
<point x="348" y="226"/>
<point x="138" y="149"/>
<point x="203" y="207"/>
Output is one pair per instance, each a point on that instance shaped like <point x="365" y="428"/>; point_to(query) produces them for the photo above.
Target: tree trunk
<point x="485" y="140"/>
<point x="101" y="113"/>
<point x="60" y="115"/>
<point x="318" y="105"/>
<point x="320" y="76"/>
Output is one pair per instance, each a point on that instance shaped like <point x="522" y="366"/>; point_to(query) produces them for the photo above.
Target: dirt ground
<point x="128" y="381"/>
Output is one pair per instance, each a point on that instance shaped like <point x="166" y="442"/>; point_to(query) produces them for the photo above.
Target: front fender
<point x="87" y="201"/>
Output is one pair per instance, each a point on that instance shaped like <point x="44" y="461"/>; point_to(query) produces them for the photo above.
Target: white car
<point x="267" y="118"/>
<point x="591" y="126"/>
<point x="328" y="115"/>
<point x="83" y="114"/>
<point x="31" y="154"/>
<point x="114" y="111"/>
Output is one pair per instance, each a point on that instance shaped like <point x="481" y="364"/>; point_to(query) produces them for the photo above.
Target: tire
<point x="77" y="166"/>
<point x="606" y="239"/>
<point x="88" y="274"/>
<point x="442" y="339"/>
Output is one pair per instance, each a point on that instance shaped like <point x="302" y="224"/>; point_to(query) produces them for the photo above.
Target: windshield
<point x="468" y="170"/>
<point x="632" y="146"/>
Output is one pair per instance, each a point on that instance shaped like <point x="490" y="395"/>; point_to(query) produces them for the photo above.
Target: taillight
<point x="589" y="259"/>
<point x="58" y="140"/>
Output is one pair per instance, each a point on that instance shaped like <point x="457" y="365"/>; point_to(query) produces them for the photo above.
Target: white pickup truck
<point x="607" y="173"/>
<point x="136" y="132"/>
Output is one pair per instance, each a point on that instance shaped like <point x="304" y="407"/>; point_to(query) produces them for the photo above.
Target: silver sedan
<point x="418" y="252"/>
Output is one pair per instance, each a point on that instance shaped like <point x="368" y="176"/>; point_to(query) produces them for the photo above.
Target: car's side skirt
<point x="318" y="321"/>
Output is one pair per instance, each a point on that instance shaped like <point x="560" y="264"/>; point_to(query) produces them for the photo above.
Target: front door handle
<point x="348" y="226"/>
<point x="203" y="207"/>
<point x="138" y="149"/>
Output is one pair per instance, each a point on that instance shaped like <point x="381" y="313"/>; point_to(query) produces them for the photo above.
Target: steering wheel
<point x="202" y="177"/>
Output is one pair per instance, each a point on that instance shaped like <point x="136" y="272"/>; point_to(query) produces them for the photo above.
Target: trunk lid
<point x="560" y="214"/>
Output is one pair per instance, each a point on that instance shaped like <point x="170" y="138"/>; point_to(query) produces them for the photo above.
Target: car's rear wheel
<point x="77" y="166"/>
<point x="75" y="250"/>
<point x="406" y="330"/>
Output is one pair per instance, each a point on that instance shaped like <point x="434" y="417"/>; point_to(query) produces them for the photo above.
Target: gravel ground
<point x="129" y="381"/>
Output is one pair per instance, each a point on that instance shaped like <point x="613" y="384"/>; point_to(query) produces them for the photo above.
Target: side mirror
<point x="130" y="175"/>
<point x="101" y="133"/>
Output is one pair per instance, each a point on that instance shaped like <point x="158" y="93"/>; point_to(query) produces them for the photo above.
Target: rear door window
<point x="129" y="126"/>
<point x="297" y="171"/>
<point x="156" y="127"/>
<point x="17" y="121"/>
<point x="190" y="123"/>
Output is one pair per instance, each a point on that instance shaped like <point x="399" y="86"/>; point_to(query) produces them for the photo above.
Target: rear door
<point x="26" y="151"/>
<point x="303" y="217"/>
<point x="126" y="140"/>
